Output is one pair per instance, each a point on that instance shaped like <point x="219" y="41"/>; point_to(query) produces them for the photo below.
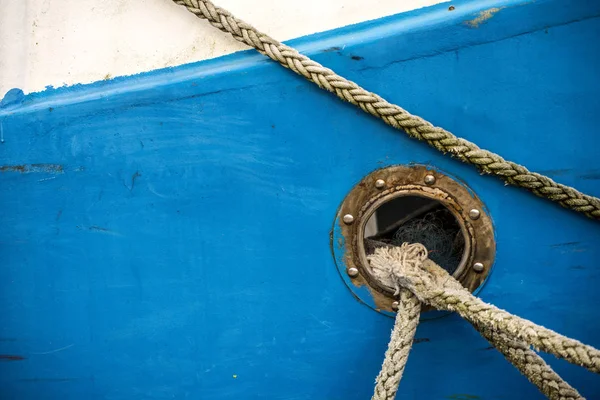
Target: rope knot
<point x="418" y="280"/>
<point x="391" y="265"/>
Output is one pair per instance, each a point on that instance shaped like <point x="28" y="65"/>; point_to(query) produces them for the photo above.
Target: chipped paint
<point x="99" y="229"/>
<point x="33" y="168"/>
<point x="37" y="380"/>
<point x="483" y="17"/>
<point x="421" y="340"/>
<point x="11" y="357"/>
<point x="565" y="244"/>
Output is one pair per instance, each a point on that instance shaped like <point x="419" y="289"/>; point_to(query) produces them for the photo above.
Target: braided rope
<point x="433" y="286"/>
<point x="407" y="268"/>
<point x="530" y="364"/>
<point x="407" y="320"/>
<point x="527" y="361"/>
<point x="416" y="127"/>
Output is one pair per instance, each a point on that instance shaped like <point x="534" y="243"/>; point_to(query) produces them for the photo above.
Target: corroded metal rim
<point x="386" y="184"/>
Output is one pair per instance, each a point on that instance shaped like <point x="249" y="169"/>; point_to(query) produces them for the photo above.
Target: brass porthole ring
<point x="386" y="186"/>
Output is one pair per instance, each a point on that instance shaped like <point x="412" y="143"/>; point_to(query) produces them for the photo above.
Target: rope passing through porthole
<point x="416" y="278"/>
<point x="418" y="281"/>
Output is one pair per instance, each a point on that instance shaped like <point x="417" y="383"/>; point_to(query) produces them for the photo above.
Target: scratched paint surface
<point x="167" y="236"/>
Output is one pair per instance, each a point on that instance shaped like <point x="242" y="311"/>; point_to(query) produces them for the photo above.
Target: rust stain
<point x="421" y="340"/>
<point x="483" y="17"/>
<point x="11" y="357"/>
<point x="406" y="179"/>
<point x="30" y="168"/>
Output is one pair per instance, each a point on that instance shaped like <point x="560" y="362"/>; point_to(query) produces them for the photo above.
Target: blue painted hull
<point x="167" y="235"/>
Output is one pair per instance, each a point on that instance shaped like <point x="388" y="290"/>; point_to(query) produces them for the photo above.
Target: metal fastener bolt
<point x="379" y="183"/>
<point x="478" y="267"/>
<point x="348" y="219"/>
<point x="429" y="179"/>
<point x="474" y="214"/>
<point x="395" y="306"/>
<point x="352" y="272"/>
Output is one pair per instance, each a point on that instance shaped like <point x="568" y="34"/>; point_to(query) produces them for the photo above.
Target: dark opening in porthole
<point x="417" y="219"/>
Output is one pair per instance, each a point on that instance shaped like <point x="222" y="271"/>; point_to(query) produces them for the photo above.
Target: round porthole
<point x="411" y="204"/>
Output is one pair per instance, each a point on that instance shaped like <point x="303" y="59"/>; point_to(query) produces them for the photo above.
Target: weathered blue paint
<point x="175" y="242"/>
